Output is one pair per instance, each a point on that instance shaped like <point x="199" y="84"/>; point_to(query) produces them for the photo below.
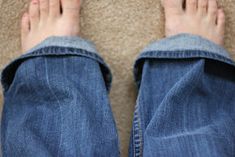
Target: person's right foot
<point x="200" y="17"/>
<point x="49" y="18"/>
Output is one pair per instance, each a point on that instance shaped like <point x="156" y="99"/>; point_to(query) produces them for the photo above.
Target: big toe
<point x="173" y="6"/>
<point x="71" y="8"/>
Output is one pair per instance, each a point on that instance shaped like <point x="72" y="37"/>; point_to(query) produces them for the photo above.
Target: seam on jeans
<point x="180" y="54"/>
<point x="183" y="54"/>
<point x="55" y="50"/>
<point x="137" y="133"/>
<point x="58" y="101"/>
<point x="186" y="41"/>
<point x="60" y="51"/>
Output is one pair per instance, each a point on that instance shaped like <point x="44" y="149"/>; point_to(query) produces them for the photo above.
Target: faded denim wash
<point x="56" y="101"/>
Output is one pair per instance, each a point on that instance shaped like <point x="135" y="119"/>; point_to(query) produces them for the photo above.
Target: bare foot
<point x="200" y="17"/>
<point x="45" y="19"/>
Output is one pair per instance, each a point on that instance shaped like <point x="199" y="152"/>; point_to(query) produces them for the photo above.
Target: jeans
<point x="56" y="101"/>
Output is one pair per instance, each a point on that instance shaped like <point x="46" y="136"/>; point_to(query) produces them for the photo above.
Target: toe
<point x="44" y="9"/>
<point x="202" y="6"/>
<point x="25" y="26"/>
<point x="212" y="10"/>
<point x="71" y="8"/>
<point x="191" y="6"/>
<point x="221" y="26"/>
<point x="173" y="6"/>
<point x="54" y="8"/>
<point x="34" y="13"/>
<point x="221" y="20"/>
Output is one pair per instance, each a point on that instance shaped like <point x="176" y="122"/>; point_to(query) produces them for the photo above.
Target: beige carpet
<point x="120" y="29"/>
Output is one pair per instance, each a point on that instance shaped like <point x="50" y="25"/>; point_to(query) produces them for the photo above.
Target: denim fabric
<point x="186" y="100"/>
<point x="56" y="101"/>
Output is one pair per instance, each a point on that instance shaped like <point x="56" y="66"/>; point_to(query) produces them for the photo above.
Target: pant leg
<point x="56" y="103"/>
<point x="186" y="100"/>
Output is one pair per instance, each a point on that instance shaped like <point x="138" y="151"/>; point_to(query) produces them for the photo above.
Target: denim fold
<point x="58" y="46"/>
<point x="56" y="102"/>
<point x="185" y="105"/>
<point x="182" y="46"/>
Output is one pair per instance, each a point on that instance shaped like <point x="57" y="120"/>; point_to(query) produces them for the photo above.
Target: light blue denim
<point x="56" y="101"/>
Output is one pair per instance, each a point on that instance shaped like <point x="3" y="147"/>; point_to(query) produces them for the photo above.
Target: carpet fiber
<point x="120" y="29"/>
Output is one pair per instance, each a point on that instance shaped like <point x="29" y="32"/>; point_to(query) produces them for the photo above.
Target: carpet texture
<point x="120" y="29"/>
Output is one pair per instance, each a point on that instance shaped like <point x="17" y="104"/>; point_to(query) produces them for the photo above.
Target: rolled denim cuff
<point x="182" y="46"/>
<point x="58" y="46"/>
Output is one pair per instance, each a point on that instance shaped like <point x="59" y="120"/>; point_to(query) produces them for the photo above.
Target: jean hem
<point x="58" y="46"/>
<point x="183" y="46"/>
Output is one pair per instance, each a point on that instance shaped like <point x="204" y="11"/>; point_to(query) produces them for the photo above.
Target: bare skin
<point x="200" y="17"/>
<point x="45" y="19"/>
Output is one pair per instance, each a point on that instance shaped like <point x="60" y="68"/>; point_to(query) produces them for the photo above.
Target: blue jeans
<point x="56" y="101"/>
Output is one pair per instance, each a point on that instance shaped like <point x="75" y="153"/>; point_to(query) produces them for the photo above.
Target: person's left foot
<point x="200" y="17"/>
<point x="46" y="19"/>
